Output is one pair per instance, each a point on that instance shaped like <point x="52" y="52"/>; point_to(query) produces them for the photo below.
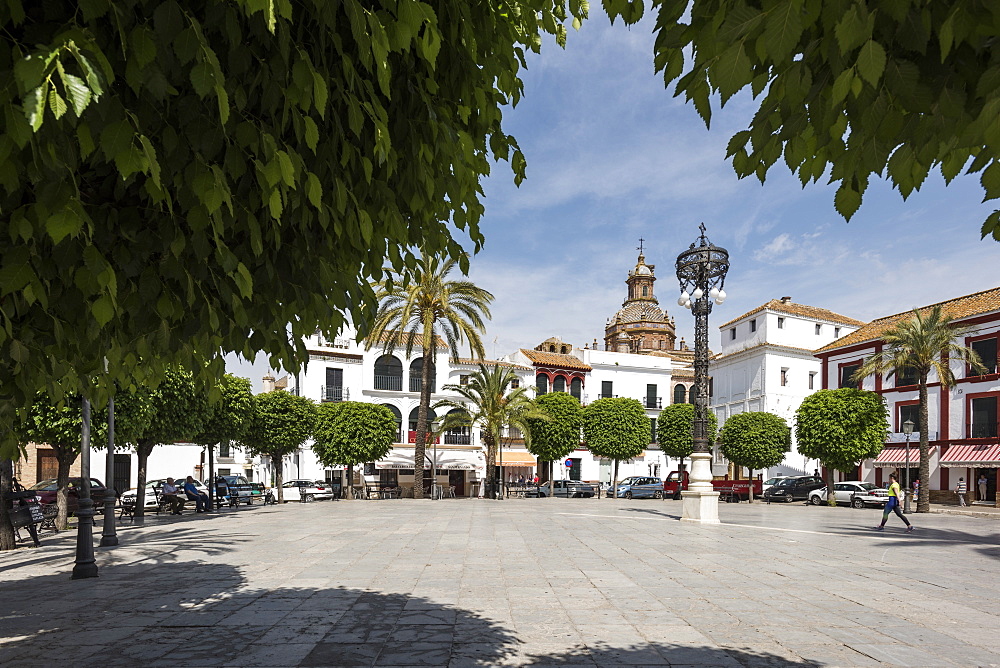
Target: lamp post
<point x="109" y="537"/>
<point x="907" y="430"/>
<point x="86" y="565"/>
<point x="701" y="272"/>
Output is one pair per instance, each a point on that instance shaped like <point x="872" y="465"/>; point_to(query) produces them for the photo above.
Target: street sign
<point x="569" y="463"/>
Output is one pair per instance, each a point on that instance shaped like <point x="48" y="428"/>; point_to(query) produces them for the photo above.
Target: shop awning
<point x="516" y="459"/>
<point x="986" y="455"/>
<point x="894" y="456"/>
<point x="460" y="460"/>
<point x="398" y="459"/>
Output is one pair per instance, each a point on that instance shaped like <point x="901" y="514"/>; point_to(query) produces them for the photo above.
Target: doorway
<point x="47" y="466"/>
<point x="456" y="479"/>
<point x="122" y="478"/>
<point x="991" y="485"/>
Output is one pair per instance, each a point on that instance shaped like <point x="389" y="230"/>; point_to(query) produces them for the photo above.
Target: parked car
<point x="46" y="490"/>
<point x="310" y="490"/>
<point x="640" y="487"/>
<point x="853" y="493"/>
<point x="128" y="497"/>
<point x="236" y="489"/>
<point x="771" y="482"/>
<point x="796" y="488"/>
<point x="567" y="489"/>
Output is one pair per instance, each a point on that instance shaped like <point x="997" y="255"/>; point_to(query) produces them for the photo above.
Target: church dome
<point x="639" y="311"/>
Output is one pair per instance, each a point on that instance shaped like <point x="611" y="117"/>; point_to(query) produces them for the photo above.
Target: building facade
<point x="962" y="429"/>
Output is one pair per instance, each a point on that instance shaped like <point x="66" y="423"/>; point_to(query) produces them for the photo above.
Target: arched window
<point x="552" y="348"/>
<point x="458" y="435"/>
<point x="388" y="373"/>
<point x="559" y="384"/>
<point x="645" y="291"/>
<point x="691" y="395"/>
<point x="542" y="383"/>
<point x="431" y="416"/>
<point x="562" y="349"/>
<point x="399" y="421"/>
<point x="416" y="379"/>
<point x="679" y="394"/>
<point x="576" y="388"/>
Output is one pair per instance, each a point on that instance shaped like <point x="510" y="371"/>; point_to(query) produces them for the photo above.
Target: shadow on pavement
<point x="184" y="614"/>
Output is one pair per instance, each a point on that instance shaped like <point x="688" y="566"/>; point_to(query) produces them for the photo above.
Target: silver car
<point x="640" y="487"/>
<point x="852" y="493"/>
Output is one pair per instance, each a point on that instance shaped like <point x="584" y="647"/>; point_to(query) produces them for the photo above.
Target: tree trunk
<point x="6" y="485"/>
<point x="349" y="482"/>
<point x="65" y="460"/>
<point x="142" y="452"/>
<point x="277" y="461"/>
<point x="831" y="497"/>
<point x="924" y="502"/>
<point x="491" y="460"/>
<point x="750" y="485"/>
<point x="614" y="489"/>
<point x="420" y="447"/>
<point x="552" y="488"/>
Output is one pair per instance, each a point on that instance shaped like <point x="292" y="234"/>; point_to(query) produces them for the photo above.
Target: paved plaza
<point x="530" y="582"/>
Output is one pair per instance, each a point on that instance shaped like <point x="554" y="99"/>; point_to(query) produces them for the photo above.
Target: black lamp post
<point x="86" y="565"/>
<point x="907" y="430"/>
<point x="701" y="271"/>
<point x="109" y="538"/>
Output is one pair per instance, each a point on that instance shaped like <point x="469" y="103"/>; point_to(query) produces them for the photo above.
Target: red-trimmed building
<point x="963" y="425"/>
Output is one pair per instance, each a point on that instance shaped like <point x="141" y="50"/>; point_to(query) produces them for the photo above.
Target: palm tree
<point x="490" y="401"/>
<point x="923" y="343"/>
<point x="421" y="311"/>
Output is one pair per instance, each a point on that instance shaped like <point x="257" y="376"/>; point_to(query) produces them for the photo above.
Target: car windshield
<point x="787" y="482"/>
<point x="45" y="485"/>
<point x="867" y="486"/>
<point x="772" y="481"/>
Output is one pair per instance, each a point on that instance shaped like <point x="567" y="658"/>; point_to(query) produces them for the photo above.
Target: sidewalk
<point x="984" y="512"/>
<point x="529" y="582"/>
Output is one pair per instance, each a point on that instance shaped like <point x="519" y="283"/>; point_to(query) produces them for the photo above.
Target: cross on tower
<point x="640" y="245"/>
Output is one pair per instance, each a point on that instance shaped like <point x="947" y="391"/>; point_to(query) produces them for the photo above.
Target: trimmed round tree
<point x="675" y="430"/>
<point x="841" y="428"/>
<point x="756" y="440"/>
<point x="279" y="424"/>
<point x="558" y="436"/>
<point x="351" y="433"/>
<point x="617" y="429"/>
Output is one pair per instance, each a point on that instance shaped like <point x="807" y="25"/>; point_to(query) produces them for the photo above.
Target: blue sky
<point x="613" y="156"/>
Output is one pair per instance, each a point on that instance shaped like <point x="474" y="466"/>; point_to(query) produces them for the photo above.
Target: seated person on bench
<point x="169" y="494"/>
<point x="200" y="498"/>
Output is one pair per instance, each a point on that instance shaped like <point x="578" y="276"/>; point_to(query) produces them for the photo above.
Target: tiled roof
<point x="511" y="365"/>
<point x="977" y="303"/>
<point x="556" y="360"/>
<point x="798" y="309"/>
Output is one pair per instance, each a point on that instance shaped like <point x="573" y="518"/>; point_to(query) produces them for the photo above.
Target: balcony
<point x="457" y="439"/>
<point x="393" y="383"/>
<point x="652" y="402"/>
<point x="334" y="393"/>
<point x="416" y="384"/>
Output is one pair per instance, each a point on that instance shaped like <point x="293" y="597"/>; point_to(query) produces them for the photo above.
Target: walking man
<point x="892" y="505"/>
<point x="960" y="489"/>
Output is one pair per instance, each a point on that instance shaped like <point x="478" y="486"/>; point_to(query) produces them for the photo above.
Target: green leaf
<point x="76" y="90"/>
<point x="842" y="86"/>
<point x="314" y="190"/>
<point x="287" y="170"/>
<point x="783" y="30"/>
<point x="851" y="31"/>
<point x="732" y="71"/>
<point x="34" y="106"/>
<point x="320" y="94"/>
<point x="57" y="104"/>
<point x="274" y="204"/>
<point x="150" y="153"/>
<point x="311" y="133"/>
<point x="990" y="180"/>
<point x="85" y="139"/>
<point x="871" y="61"/>
<point x="847" y="201"/>
<point x="202" y="78"/>
<point x="63" y="223"/>
<point x="103" y="310"/>
<point x="991" y="226"/>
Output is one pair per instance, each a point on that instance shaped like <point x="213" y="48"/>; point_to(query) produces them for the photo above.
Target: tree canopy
<point x="280" y="424"/>
<point x="352" y="433"/>
<point x="616" y="428"/>
<point x="756" y="440"/>
<point x="841" y="427"/>
<point x="229" y="415"/>
<point x="675" y="430"/>
<point x="556" y="437"/>
<point x="183" y="179"/>
<point x="847" y="89"/>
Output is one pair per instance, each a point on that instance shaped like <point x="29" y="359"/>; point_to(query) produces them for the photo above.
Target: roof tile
<point x="556" y="360"/>
<point x="798" y="309"/>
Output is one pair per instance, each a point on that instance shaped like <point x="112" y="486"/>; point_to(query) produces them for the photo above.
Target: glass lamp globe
<point x="721" y="298"/>
<point x="714" y="293"/>
<point x="683" y="298"/>
<point x="697" y="294"/>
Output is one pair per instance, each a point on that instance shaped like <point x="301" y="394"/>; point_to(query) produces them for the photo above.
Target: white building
<point x="766" y="363"/>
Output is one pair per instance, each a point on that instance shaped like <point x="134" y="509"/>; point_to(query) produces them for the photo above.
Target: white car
<point x="853" y="493"/>
<point x="308" y="490"/>
<point x="128" y="497"/>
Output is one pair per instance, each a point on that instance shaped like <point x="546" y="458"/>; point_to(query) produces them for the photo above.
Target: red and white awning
<point x="894" y="456"/>
<point x="961" y="456"/>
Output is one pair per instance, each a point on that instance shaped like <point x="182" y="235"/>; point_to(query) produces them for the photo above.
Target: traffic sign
<point x="569" y="463"/>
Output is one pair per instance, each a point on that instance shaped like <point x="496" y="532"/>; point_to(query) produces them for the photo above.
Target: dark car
<point x="796" y="488"/>
<point x="46" y="492"/>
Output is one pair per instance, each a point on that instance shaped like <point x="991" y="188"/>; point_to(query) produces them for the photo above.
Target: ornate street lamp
<point x="109" y="538"/>
<point x="907" y="429"/>
<point x="86" y="565"/>
<point x="701" y="271"/>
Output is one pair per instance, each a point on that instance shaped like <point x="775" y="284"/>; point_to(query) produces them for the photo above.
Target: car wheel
<point x="628" y="494"/>
<point x="815" y="500"/>
<point x="657" y="494"/>
<point x="310" y="497"/>
<point x="789" y="499"/>
<point x="857" y="503"/>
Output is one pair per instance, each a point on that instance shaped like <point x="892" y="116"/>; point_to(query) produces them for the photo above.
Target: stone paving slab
<point x="534" y="582"/>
